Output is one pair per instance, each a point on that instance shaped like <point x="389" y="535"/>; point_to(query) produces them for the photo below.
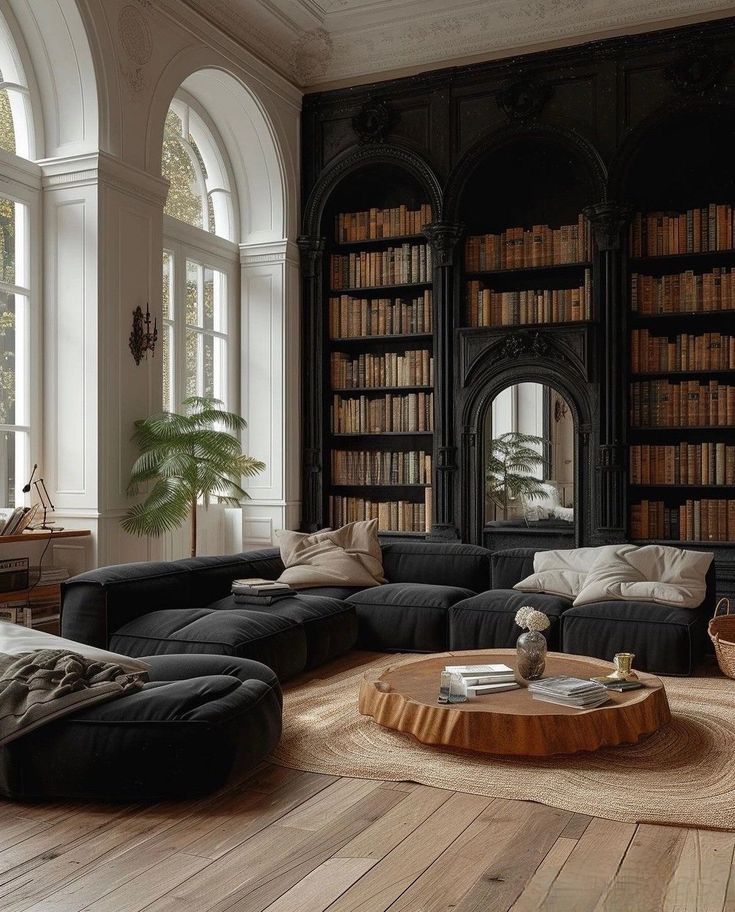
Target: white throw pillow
<point x="652" y="573"/>
<point x="562" y="572"/>
<point x="16" y="639"/>
<point x="349" y="556"/>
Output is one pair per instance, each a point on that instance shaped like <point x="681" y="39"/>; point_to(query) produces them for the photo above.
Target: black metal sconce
<point x="142" y="340"/>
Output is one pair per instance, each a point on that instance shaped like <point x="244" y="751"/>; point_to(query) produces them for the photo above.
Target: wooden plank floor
<point x="291" y="841"/>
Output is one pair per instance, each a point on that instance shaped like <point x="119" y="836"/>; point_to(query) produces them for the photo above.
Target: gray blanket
<point x="41" y="686"/>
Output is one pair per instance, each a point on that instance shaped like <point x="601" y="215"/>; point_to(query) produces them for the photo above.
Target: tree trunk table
<point x="404" y="697"/>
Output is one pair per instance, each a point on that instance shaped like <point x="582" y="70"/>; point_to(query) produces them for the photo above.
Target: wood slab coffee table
<point x="404" y="697"/>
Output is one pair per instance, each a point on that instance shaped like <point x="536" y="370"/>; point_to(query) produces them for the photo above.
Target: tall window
<point x="200" y="262"/>
<point x="18" y="312"/>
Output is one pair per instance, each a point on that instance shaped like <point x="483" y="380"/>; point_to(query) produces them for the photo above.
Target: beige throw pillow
<point x="652" y="573"/>
<point x="560" y="572"/>
<point x="349" y="556"/>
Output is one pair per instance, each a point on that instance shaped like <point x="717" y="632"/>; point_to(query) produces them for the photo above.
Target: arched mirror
<point x="529" y="447"/>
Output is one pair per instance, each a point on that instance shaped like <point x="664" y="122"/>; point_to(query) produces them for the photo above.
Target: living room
<point x="367" y="455"/>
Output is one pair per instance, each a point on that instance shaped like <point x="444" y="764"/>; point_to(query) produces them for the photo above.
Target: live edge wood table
<point x="404" y="697"/>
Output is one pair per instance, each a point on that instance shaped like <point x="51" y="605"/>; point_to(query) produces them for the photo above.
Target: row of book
<point x="372" y="224"/>
<point x="521" y="248"/>
<point x="350" y="318"/>
<point x="412" y="368"/>
<point x="708" y="228"/>
<point x="512" y="308"/>
<point x="376" y="467"/>
<point x="694" y="520"/>
<point x="688" y="403"/>
<point x="392" y="515"/>
<point x="684" y="292"/>
<point x="684" y="352"/>
<point x="710" y="463"/>
<point x="407" y="413"/>
<point x="409" y="263"/>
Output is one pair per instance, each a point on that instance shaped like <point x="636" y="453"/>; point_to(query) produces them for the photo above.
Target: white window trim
<point x="20" y="180"/>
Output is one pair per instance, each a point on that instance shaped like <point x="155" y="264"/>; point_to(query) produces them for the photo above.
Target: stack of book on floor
<point x="256" y="591"/>
<point x="577" y="692"/>
<point x="485" y="679"/>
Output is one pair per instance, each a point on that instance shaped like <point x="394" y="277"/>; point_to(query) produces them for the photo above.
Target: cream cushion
<point x="560" y="572"/>
<point x="652" y="573"/>
<point x="16" y="639"/>
<point x="349" y="556"/>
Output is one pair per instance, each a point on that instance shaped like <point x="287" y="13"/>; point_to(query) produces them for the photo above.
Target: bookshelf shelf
<point x="683" y="486"/>
<point x="363" y="390"/>
<point x="668" y="262"/>
<point x="377" y="487"/>
<point x="394" y="338"/>
<point x="684" y="317"/>
<point x="394" y="241"/>
<point x="711" y="372"/>
<point x="535" y="271"/>
<point x="386" y="434"/>
<point x="710" y="543"/>
<point x="504" y="327"/>
<point x="683" y="428"/>
<point x="374" y="289"/>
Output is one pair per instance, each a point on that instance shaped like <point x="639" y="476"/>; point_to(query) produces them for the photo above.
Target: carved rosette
<point x="524" y="98"/>
<point x="311" y="251"/>
<point x="608" y="221"/>
<point x="443" y="237"/>
<point x="697" y="71"/>
<point x="373" y="121"/>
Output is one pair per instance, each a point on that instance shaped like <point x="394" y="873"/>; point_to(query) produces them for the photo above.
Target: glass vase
<point x="531" y="649"/>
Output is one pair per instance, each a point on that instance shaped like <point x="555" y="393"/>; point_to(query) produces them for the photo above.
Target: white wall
<point x="105" y="74"/>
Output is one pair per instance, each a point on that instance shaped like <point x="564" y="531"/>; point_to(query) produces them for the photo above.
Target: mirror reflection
<point x="529" y="458"/>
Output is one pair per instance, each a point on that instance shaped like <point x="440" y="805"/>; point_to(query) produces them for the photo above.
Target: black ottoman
<point x="487" y="620"/>
<point x="278" y="642"/>
<point x="200" y="723"/>
<point x="330" y="625"/>
<point x="665" y="640"/>
<point x="408" y="617"/>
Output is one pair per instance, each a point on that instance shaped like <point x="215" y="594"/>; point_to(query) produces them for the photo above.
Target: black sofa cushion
<point x="200" y="723"/>
<point x="330" y="625"/>
<point x="511" y="566"/>
<point x="434" y="563"/>
<point x="487" y="620"/>
<point x="278" y="642"/>
<point x="410" y="617"/>
<point x="665" y="640"/>
<point x="332" y="592"/>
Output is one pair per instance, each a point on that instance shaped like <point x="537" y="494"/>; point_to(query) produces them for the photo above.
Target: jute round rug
<point x="683" y="774"/>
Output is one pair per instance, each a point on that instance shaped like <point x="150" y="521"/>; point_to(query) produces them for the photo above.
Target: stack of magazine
<point x="256" y="591"/>
<point x="566" y="691"/>
<point x="485" y="679"/>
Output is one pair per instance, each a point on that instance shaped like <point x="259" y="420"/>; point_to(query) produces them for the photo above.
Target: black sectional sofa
<point x="438" y="597"/>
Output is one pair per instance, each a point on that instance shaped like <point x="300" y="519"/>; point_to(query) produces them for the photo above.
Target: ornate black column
<point x="443" y="237"/>
<point x="609" y="221"/>
<point x="312" y="391"/>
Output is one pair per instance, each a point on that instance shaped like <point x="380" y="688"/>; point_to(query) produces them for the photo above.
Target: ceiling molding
<point x="324" y="43"/>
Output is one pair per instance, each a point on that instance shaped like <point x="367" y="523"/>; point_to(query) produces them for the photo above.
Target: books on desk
<point x="568" y="691"/>
<point x="485" y="679"/>
<point x="257" y="591"/>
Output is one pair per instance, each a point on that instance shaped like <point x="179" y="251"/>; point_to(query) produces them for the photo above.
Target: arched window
<point x="19" y="243"/>
<point x="200" y="259"/>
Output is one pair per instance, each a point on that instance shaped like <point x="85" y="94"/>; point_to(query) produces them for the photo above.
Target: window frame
<point x="21" y="182"/>
<point x="184" y="242"/>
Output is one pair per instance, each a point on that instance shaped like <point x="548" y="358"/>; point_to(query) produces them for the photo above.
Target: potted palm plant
<point x="512" y="459"/>
<point x="185" y="458"/>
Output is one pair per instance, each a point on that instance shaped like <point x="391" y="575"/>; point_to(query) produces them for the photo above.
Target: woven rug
<point x="683" y="774"/>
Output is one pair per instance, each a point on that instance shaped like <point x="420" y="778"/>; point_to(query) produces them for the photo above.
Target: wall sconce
<point x="142" y="340"/>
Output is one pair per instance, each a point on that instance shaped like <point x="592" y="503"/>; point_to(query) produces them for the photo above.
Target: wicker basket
<point x="721" y="631"/>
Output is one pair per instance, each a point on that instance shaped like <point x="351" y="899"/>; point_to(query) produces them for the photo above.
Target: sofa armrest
<point x="96" y="604"/>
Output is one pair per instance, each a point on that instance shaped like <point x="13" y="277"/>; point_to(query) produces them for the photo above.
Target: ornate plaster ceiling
<point x="317" y="43"/>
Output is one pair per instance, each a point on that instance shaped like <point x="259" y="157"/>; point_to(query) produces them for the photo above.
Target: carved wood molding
<point x="524" y="98"/>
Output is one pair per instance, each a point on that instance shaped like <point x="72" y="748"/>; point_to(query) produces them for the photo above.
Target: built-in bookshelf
<point x="682" y="375"/>
<point x="379" y="328"/>
<point x="523" y="276"/>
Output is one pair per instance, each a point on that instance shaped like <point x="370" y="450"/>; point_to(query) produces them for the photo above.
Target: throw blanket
<point x="41" y="686"/>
